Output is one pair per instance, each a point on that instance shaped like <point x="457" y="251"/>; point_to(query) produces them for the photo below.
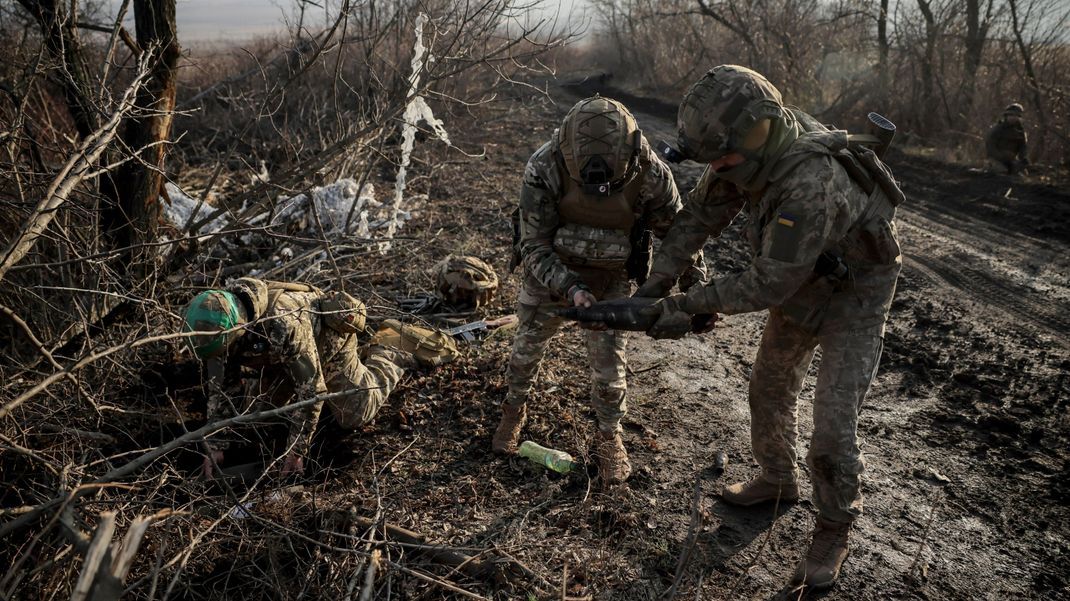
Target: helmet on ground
<point x="600" y="144"/>
<point x="343" y="313"/>
<point x="1014" y="109"/>
<point x="465" y="282"/>
<point x="213" y="312"/>
<point x="721" y="108"/>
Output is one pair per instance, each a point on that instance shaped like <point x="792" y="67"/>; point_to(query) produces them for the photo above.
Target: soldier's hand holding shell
<point x="672" y="321"/>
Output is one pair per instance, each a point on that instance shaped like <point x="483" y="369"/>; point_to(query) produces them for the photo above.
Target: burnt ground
<point x="966" y="429"/>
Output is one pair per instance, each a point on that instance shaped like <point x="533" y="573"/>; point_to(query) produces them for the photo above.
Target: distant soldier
<point x="826" y="260"/>
<point x="588" y="196"/>
<point x="294" y="342"/>
<point x="1006" y="140"/>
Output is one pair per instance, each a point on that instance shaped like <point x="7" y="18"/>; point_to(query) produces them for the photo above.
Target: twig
<point x="369" y="576"/>
<point x="689" y="541"/>
<point x="925" y="535"/>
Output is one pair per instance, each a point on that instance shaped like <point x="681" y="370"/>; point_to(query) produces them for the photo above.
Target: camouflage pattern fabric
<point x="849" y="362"/>
<point x="465" y="282"/>
<point x="290" y="350"/>
<point x="1006" y="144"/>
<point x="812" y="208"/>
<point x="605" y="351"/>
<point x="542" y="245"/>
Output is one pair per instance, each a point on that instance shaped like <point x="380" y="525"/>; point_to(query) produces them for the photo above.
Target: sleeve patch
<point x="787" y="233"/>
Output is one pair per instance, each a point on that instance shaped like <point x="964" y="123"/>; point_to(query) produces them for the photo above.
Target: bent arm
<point x="791" y="243"/>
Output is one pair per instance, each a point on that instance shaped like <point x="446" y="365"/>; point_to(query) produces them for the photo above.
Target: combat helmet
<point x="600" y="144"/>
<point x="465" y="282"/>
<point x="213" y="312"/>
<point x="721" y="108"/>
<point x="1015" y="109"/>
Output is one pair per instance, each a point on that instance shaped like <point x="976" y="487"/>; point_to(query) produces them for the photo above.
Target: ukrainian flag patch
<point x="787" y="234"/>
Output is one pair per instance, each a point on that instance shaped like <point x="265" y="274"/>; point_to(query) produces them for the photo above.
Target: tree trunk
<point x="1031" y="80"/>
<point x="883" y="50"/>
<point x="976" y="36"/>
<point x="928" y="61"/>
<point x="136" y="185"/>
<point x="58" y="22"/>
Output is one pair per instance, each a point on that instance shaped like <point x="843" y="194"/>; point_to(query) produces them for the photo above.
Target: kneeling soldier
<point x="301" y="343"/>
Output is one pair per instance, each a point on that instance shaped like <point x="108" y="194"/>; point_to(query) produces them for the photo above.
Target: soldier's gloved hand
<point x="657" y="285"/>
<point x="582" y="297"/>
<point x="672" y="321"/>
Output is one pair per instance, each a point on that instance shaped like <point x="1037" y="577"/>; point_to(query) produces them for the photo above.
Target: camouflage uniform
<point x="289" y="351"/>
<point x="1006" y="143"/>
<point x="559" y="252"/>
<point x="809" y="205"/>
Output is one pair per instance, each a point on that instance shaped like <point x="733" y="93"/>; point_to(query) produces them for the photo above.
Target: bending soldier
<point x="297" y="342"/>
<point x="587" y="196"/>
<point x="1006" y="140"/>
<point x="826" y="260"/>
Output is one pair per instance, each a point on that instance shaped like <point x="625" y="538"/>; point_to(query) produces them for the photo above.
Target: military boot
<point x="507" y="435"/>
<point x="759" y="490"/>
<point x="613" y="464"/>
<point x="821" y="566"/>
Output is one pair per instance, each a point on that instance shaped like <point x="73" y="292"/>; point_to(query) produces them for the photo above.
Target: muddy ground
<point x="966" y="429"/>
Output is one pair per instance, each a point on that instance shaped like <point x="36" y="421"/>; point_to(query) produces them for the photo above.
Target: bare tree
<point x="136" y="186"/>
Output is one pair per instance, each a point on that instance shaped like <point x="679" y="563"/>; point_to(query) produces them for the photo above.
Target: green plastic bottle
<point x="559" y="461"/>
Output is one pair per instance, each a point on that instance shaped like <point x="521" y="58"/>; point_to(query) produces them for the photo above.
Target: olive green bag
<point x="429" y="347"/>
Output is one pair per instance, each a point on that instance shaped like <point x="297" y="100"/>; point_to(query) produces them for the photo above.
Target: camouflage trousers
<point x="605" y="352"/>
<point x="371" y="381"/>
<point x="849" y="360"/>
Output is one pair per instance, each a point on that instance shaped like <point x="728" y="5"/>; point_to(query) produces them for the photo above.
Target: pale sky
<point x="236" y="20"/>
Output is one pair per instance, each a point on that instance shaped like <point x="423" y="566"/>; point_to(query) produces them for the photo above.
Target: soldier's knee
<point x="829" y="467"/>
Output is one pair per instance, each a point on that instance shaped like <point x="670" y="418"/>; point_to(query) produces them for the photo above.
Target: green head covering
<point x="213" y="312"/>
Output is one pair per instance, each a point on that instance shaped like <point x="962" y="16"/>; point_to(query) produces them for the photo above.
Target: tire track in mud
<point x="1017" y="301"/>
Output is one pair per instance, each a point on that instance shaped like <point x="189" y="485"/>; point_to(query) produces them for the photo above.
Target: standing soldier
<point x="295" y="342"/>
<point x="820" y="223"/>
<point x="589" y="196"/>
<point x="1006" y="141"/>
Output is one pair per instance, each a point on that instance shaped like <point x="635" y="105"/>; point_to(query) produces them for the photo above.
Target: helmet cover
<point x="213" y="312"/>
<point x="600" y="143"/>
